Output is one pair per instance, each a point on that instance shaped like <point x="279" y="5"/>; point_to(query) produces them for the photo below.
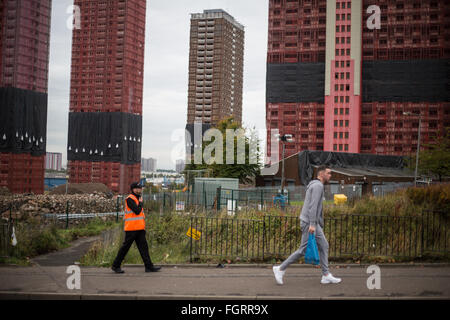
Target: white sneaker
<point x="278" y="274"/>
<point x="330" y="279"/>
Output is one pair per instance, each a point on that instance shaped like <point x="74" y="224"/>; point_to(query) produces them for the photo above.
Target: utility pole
<point x="284" y="138"/>
<point x="418" y="143"/>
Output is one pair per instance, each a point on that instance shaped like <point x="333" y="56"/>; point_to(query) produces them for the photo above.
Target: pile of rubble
<point x="4" y="191"/>
<point x="82" y="188"/>
<point x="24" y="207"/>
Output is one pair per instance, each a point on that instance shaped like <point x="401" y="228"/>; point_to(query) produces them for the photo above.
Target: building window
<point x="334" y="147"/>
<point x="346" y="147"/>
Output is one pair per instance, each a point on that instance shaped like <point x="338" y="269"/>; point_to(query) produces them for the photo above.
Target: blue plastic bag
<point x="312" y="253"/>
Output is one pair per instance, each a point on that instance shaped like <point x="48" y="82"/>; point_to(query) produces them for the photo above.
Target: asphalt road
<point x="231" y="282"/>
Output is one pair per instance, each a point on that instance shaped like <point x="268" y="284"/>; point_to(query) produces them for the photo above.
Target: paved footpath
<point x="231" y="282"/>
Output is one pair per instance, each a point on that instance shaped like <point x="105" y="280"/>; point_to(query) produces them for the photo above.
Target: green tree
<point x="435" y="158"/>
<point x="219" y="168"/>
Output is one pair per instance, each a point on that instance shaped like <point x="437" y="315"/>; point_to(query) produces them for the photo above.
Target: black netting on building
<point x="409" y="80"/>
<point x="105" y="136"/>
<point x="23" y="121"/>
<point x="295" y="82"/>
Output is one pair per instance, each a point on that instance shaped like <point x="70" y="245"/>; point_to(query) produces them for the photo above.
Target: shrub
<point x="435" y="197"/>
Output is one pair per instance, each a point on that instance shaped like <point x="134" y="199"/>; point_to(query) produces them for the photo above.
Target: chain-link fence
<point x="254" y="198"/>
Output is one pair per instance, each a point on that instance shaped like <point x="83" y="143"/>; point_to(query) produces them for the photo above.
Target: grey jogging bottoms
<point x="322" y="246"/>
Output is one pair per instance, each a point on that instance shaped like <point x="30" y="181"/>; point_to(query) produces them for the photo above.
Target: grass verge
<point x="34" y="239"/>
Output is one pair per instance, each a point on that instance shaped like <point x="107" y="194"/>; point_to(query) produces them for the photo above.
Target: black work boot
<point x="152" y="269"/>
<point x="117" y="269"/>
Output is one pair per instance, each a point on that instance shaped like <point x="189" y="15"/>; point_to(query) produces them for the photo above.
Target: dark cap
<point x="135" y="185"/>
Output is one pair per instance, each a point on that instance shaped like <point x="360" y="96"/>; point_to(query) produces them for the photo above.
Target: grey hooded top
<point x="312" y="207"/>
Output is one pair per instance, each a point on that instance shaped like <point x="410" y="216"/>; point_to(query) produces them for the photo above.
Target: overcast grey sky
<point x="165" y="71"/>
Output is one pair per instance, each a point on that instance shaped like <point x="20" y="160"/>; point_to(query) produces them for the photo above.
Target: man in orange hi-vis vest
<point x="134" y="219"/>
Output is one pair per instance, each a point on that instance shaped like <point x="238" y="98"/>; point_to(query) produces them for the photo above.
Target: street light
<point x="67" y="178"/>
<point x="284" y="138"/>
<point x="418" y="143"/>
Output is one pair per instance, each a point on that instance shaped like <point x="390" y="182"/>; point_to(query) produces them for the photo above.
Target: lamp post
<point x="418" y="143"/>
<point x="67" y="178"/>
<point x="284" y="138"/>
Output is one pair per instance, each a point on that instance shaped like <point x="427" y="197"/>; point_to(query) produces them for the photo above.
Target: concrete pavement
<point x="232" y="282"/>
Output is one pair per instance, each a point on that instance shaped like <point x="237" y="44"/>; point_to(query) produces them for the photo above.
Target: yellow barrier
<point x="340" y="198"/>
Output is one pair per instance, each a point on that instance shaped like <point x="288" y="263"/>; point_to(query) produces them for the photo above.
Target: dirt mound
<point x="82" y="188"/>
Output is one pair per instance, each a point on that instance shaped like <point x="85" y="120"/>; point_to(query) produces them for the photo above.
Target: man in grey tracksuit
<point x="311" y="221"/>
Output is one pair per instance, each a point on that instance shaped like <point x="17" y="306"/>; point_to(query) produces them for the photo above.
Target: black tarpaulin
<point x="105" y="136"/>
<point x="307" y="159"/>
<point x="408" y="81"/>
<point x="295" y="82"/>
<point x="23" y="121"/>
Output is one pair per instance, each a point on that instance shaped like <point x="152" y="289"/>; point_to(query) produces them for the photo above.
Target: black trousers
<point x="141" y="243"/>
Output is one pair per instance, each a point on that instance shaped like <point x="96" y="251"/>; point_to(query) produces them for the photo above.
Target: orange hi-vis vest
<point x="133" y="221"/>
